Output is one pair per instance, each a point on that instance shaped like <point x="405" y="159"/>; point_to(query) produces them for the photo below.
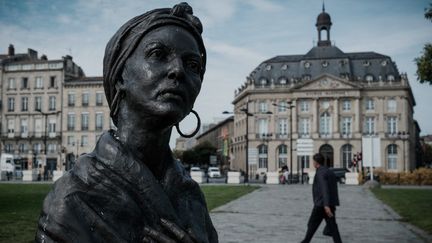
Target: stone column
<point x="336" y="117"/>
<point x="357" y="116"/>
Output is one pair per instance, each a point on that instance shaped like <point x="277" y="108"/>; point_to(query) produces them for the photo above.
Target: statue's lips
<point x="171" y="94"/>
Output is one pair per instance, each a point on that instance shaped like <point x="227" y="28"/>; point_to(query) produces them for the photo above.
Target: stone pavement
<point x="279" y="213"/>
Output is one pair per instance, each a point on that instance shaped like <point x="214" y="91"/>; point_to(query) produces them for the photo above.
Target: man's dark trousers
<point x="318" y="214"/>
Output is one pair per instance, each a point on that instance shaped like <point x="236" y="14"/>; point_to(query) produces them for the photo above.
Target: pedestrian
<point x="325" y="198"/>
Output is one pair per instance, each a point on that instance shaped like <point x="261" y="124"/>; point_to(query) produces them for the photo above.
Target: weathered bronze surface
<point x="130" y="188"/>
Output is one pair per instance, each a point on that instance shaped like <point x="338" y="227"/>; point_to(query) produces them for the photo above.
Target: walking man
<point x="325" y="198"/>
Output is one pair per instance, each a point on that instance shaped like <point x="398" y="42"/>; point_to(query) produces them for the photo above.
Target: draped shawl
<point x="109" y="197"/>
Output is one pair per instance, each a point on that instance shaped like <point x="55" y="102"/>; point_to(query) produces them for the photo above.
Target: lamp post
<point x="247" y="113"/>
<point x="404" y="136"/>
<point x="289" y="106"/>
<point x="46" y="130"/>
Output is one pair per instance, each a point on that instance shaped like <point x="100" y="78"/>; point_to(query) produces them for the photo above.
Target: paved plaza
<point x="279" y="213"/>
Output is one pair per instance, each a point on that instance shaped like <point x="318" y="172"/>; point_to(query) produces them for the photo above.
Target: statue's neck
<point x="146" y="142"/>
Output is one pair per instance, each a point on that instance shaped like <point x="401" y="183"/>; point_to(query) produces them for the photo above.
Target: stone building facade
<point x="85" y="116"/>
<point x="219" y="137"/>
<point x="327" y="101"/>
<point x="31" y="97"/>
<point x="51" y="112"/>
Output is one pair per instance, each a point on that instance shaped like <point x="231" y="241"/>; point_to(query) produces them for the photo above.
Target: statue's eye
<point x="156" y="53"/>
<point x="194" y="66"/>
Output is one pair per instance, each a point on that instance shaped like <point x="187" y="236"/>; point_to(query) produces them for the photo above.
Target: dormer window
<point x="283" y="81"/>
<point x="390" y="77"/>
<point x="384" y="63"/>
<point x="306" y="77"/>
<point x="307" y="65"/>
<point x="268" y="67"/>
<point x="369" y="78"/>
<point x="263" y="81"/>
<point x="366" y="63"/>
<point x="284" y="67"/>
<point x="324" y="63"/>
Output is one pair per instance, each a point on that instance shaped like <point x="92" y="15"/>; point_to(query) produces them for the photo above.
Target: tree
<point x="424" y="62"/>
<point x="199" y="155"/>
<point x="427" y="156"/>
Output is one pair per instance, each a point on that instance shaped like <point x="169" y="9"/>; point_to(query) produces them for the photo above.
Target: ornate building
<point x="326" y="101"/>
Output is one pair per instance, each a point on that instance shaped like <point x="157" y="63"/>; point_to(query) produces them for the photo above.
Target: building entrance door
<point x="327" y="151"/>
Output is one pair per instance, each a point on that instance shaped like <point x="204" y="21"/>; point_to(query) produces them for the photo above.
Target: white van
<point x="7" y="166"/>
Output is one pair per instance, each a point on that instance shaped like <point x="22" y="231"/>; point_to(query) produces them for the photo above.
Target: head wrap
<point x="127" y="38"/>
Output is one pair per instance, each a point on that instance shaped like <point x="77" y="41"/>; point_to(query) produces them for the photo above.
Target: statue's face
<point x="162" y="75"/>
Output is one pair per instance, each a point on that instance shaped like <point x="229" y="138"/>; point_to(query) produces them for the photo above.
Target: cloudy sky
<point x="238" y="34"/>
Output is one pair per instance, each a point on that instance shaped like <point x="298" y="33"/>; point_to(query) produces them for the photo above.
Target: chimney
<point x="11" y="50"/>
<point x="32" y="53"/>
<point x="44" y="57"/>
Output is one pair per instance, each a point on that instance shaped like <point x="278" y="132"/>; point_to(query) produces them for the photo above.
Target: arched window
<point x="392" y="157"/>
<point x="325" y="124"/>
<point x="282" y="155"/>
<point x="262" y="156"/>
<point x="346" y="155"/>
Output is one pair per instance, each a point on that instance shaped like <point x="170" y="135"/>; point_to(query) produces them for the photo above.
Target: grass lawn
<point x="20" y="205"/>
<point x="414" y="205"/>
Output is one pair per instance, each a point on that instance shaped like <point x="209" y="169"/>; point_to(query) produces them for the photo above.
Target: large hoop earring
<point x="196" y="129"/>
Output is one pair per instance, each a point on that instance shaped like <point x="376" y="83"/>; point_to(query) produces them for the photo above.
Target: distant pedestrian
<point x="325" y="198"/>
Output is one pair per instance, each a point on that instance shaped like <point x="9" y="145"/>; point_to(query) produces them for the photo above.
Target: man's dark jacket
<point x="324" y="189"/>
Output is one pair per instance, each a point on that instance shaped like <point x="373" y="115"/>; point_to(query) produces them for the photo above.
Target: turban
<point x="127" y="38"/>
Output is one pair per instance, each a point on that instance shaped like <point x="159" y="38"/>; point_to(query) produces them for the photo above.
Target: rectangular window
<point x="369" y="104"/>
<point x="24" y="103"/>
<point x="99" y="121"/>
<point x="52" y="103"/>
<point x="71" y="122"/>
<point x="85" y="99"/>
<point x="262" y="127"/>
<point x="11" y="83"/>
<point x="24" y="83"/>
<point x="325" y="124"/>
<point x="9" y="148"/>
<point x="52" y="82"/>
<point x="52" y="126"/>
<point x="38" y="103"/>
<point x="392" y="125"/>
<point x="304" y="126"/>
<point x="37" y="147"/>
<point x="39" y="83"/>
<point x="262" y="107"/>
<point x="71" y="99"/>
<point x="99" y="98"/>
<point x="346" y="126"/>
<point x="283" y="127"/>
<point x="304" y="160"/>
<point x="282" y="106"/>
<point x="84" y="121"/>
<point x="11" y="126"/>
<point x="346" y="105"/>
<point x="22" y="147"/>
<point x="51" y="148"/>
<point x="11" y="104"/>
<point x="304" y="106"/>
<point x="391" y="105"/>
<point x="84" y="140"/>
<point x="71" y="140"/>
<point x="24" y="127"/>
<point x="369" y="125"/>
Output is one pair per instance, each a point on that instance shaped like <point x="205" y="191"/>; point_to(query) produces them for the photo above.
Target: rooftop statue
<point x="130" y="188"/>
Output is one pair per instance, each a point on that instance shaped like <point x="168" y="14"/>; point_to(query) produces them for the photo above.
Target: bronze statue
<point x="130" y="188"/>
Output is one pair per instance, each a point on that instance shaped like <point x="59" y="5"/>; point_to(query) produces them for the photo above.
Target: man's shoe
<point x="327" y="231"/>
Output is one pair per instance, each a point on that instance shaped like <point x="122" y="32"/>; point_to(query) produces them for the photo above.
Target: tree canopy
<point x="424" y="62"/>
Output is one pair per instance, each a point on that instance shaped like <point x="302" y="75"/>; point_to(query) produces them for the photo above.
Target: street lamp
<point x="289" y="106"/>
<point x="46" y="130"/>
<point x="247" y="113"/>
<point x="404" y="136"/>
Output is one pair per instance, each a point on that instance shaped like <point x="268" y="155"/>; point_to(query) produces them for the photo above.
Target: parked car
<point x="213" y="172"/>
<point x="194" y="168"/>
<point x="340" y="174"/>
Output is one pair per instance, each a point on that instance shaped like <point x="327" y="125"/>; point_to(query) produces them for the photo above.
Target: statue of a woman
<point x="130" y="188"/>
